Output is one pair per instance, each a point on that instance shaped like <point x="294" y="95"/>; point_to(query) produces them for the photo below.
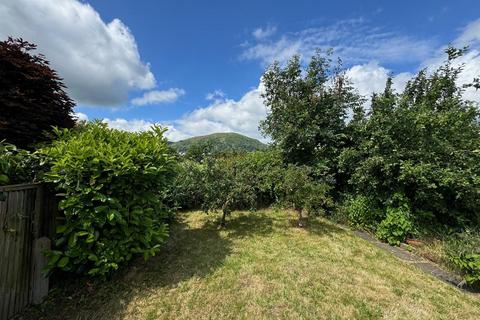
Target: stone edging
<point x="421" y="263"/>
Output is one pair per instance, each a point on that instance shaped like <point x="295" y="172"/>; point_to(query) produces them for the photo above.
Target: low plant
<point x="463" y="251"/>
<point x="396" y="226"/>
<point x="362" y="212"/>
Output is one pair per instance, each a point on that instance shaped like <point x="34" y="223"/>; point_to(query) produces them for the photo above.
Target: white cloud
<point x="133" y="125"/>
<point x="263" y="33"/>
<point x="215" y="95"/>
<point x="354" y="40"/>
<point x="99" y="61"/>
<point x="156" y="96"/>
<point x="80" y="116"/>
<point x="470" y="36"/>
<point x="226" y="115"/>
<point x="371" y="78"/>
<point x="129" y="125"/>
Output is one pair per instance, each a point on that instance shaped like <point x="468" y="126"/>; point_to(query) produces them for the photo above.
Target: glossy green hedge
<point x="111" y="184"/>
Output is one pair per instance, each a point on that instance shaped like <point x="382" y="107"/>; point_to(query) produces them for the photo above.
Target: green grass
<point x="263" y="267"/>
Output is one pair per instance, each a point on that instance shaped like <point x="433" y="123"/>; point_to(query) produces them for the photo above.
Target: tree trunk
<point x="299" y="212"/>
<point x="223" y="222"/>
<point x="225" y="212"/>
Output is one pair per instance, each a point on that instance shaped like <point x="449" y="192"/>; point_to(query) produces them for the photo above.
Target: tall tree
<point x="32" y="96"/>
<point x="308" y="111"/>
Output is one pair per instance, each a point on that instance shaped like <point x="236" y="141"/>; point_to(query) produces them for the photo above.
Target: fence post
<point x="39" y="262"/>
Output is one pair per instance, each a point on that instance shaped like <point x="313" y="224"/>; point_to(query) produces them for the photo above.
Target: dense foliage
<point x="423" y="143"/>
<point x="463" y="250"/>
<point x="16" y="165"/>
<point x="32" y="96"/>
<point x="248" y="181"/>
<point x="111" y="185"/>
<point x="308" y="111"/>
<point x="407" y="160"/>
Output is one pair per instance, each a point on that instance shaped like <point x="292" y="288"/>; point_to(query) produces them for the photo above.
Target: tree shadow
<point x="247" y="224"/>
<point x="191" y="251"/>
<point x="197" y="247"/>
<point x="314" y="224"/>
<point x="322" y="227"/>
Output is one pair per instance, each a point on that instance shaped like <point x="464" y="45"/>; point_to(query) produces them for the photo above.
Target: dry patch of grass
<point x="260" y="267"/>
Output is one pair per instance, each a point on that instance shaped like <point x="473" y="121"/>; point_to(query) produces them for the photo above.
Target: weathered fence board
<point x="26" y="214"/>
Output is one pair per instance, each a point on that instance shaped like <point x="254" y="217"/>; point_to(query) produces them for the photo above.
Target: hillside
<point x="220" y="142"/>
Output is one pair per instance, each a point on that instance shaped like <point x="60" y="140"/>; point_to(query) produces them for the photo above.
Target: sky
<point x="195" y="67"/>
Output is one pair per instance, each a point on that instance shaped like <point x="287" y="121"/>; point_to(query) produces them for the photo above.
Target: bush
<point x="16" y="165"/>
<point x="299" y="191"/>
<point x="187" y="191"/>
<point x="362" y="212"/>
<point x="463" y="251"/>
<point x="236" y="181"/>
<point x="225" y="188"/>
<point x="262" y="170"/>
<point x="110" y="183"/>
<point x="424" y="143"/>
<point x="396" y="226"/>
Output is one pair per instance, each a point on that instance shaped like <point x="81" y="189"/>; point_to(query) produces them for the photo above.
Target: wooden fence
<point x="27" y="223"/>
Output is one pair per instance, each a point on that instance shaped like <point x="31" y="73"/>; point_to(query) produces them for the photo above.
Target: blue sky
<point x="195" y="66"/>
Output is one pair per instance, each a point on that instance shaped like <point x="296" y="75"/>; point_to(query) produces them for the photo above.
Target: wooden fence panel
<point x="23" y="219"/>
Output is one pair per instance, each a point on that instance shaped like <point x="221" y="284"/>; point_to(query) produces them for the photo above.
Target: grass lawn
<point x="263" y="267"/>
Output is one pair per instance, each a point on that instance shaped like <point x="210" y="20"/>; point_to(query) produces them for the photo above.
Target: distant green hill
<point x="220" y="142"/>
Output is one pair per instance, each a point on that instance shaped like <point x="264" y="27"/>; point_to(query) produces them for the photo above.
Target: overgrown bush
<point x="263" y="171"/>
<point x="424" y="143"/>
<point x="463" y="251"/>
<point x="396" y="226"/>
<point x="362" y="212"/>
<point x="225" y="188"/>
<point x="299" y="191"/>
<point x="187" y="191"/>
<point x="110" y="184"/>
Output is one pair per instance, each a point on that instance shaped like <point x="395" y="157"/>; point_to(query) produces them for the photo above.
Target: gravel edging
<point x="419" y="262"/>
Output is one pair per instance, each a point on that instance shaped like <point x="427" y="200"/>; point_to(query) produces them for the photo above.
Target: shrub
<point x="424" y="143"/>
<point x="16" y="165"/>
<point x="187" y="191"/>
<point x="261" y="170"/>
<point x="362" y="212"/>
<point x="110" y="183"/>
<point x="225" y="188"/>
<point x="317" y="199"/>
<point x="396" y="226"/>
<point x="299" y="191"/>
<point x="463" y="251"/>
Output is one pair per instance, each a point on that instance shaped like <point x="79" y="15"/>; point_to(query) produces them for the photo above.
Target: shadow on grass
<point x="318" y="226"/>
<point x="197" y="247"/>
<point x="194" y="249"/>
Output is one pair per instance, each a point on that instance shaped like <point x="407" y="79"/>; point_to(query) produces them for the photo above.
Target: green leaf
<point x="63" y="262"/>
<point x="61" y="228"/>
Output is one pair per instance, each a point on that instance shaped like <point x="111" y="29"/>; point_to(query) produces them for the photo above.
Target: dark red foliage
<point x="32" y="96"/>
